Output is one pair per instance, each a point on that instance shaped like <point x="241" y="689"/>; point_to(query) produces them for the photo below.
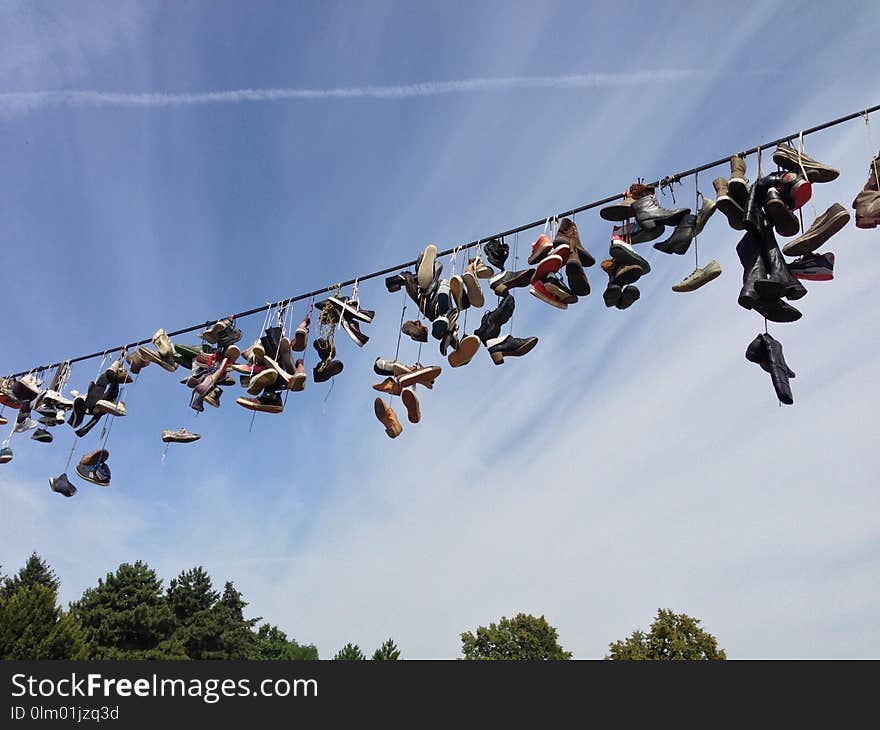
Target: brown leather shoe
<point x="415" y="330"/>
<point x="388" y="417"/>
<point x="389" y="385"/>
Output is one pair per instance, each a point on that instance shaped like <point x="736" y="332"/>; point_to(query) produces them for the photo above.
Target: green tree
<point x="127" y="616"/>
<point x="387" y="652"/>
<point x="32" y="626"/>
<point x="522" y="637"/>
<point x="189" y="593"/>
<point x="272" y="644"/>
<point x="672" y="636"/>
<point x="35" y="572"/>
<point x="350" y="653"/>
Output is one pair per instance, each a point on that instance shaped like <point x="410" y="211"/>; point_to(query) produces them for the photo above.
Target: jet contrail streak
<point x="23" y="101"/>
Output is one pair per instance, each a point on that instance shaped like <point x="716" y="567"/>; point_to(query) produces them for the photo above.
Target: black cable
<point x="519" y="229"/>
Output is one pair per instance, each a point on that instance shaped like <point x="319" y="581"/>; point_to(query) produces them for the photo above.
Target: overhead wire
<point x="666" y="181"/>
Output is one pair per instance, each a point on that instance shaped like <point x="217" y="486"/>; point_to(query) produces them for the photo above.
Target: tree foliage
<point x="350" y="653"/>
<point x="35" y="572"/>
<point x="32" y="626"/>
<point x="522" y="637"/>
<point x="272" y="644"/>
<point x="672" y="636"/>
<point x="387" y="652"/>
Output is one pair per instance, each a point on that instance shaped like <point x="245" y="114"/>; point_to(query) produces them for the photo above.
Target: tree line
<point x="129" y="615"/>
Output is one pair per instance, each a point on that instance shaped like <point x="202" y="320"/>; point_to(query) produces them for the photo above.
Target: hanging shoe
<point x="776" y="310"/>
<point x="393" y="368"/>
<point x="299" y="376"/>
<point x="510" y="346"/>
<point x="737" y="184"/>
<point x="779" y="281"/>
<point x="425" y="375"/>
<point x="98" y="474"/>
<point x="213" y="398"/>
<point x="415" y="330"/>
<point x="749" y="251"/>
<point x="353" y="330"/>
<point x="110" y="408"/>
<point x="622" y="209"/>
<point x="388" y="418"/>
<point x="649" y="214"/>
<point x="479" y="269"/>
<point x="628" y="296"/>
<point x="548" y="265"/>
<point x="263" y="379"/>
<point x="42" y="435"/>
<point x="389" y="385"/>
<point x="540" y="248"/>
<point x="473" y="292"/>
<point x="5" y="454"/>
<point x="707" y="209"/>
<point x="624" y="254"/>
<point x="813" y="267"/>
<point x="26" y="388"/>
<point x="494" y="319"/>
<point x="632" y="233"/>
<point x="325" y="348"/>
<point x="699" y="277"/>
<point x="425" y="266"/>
<point x="266" y="403"/>
<point x="411" y="402"/>
<point x="459" y="294"/>
<point x="539" y="291"/>
<point x="497" y="252"/>
<point x="326" y="369"/>
<point x="152" y="356"/>
<point x="767" y="352"/>
<point x="568" y="236"/>
<point x="555" y="286"/>
<point x="732" y="210"/>
<point x="162" y="343"/>
<point x="577" y="277"/>
<point x="212" y="333"/>
<point x="465" y="351"/>
<point x="61" y="485"/>
<point x="179" y="436"/>
<point x="506" y="280"/>
<point x="823" y="228"/>
<point x="680" y="240"/>
<point x="301" y="336"/>
<point x="789" y="158"/>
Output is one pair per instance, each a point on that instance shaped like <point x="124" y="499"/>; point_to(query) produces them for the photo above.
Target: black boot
<point x="779" y="370"/>
<point x="271" y="341"/>
<point x="757" y="353"/>
<point x="680" y="240"/>
<point x="497" y="252"/>
<point x="754" y="270"/>
<point x="779" y="214"/>
<point x="779" y="281"/>
<point x="776" y="310"/>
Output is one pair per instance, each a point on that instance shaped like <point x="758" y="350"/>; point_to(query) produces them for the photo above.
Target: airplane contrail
<point x="24" y="101"/>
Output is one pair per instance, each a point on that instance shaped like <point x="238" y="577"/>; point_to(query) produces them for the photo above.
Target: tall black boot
<point x="780" y="282"/>
<point x="754" y="270"/>
<point x="779" y="370"/>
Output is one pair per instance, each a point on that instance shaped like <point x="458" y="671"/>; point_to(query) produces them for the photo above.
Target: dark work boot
<point x="779" y="281"/>
<point x="680" y="240"/>
<point x="271" y="341"/>
<point x="493" y="320"/>
<point x="497" y="252"/>
<point x="754" y="270"/>
<point x="324" y="348"/>
<point x="649" y="214"/>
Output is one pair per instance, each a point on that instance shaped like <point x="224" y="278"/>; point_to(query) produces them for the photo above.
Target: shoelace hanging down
<point x="676" y="178"/>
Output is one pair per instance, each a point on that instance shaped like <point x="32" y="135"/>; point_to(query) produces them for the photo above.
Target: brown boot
<point x="388" y="418"/>
<point x="568" y="235"/>
<point x="738" y="185"/>
<point x="867" y="207"/>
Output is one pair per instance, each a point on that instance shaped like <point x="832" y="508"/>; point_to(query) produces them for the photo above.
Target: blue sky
<point x="633" y="460"/>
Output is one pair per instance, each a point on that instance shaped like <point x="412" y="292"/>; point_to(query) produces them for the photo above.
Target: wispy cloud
<point x="31" y="100"/>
